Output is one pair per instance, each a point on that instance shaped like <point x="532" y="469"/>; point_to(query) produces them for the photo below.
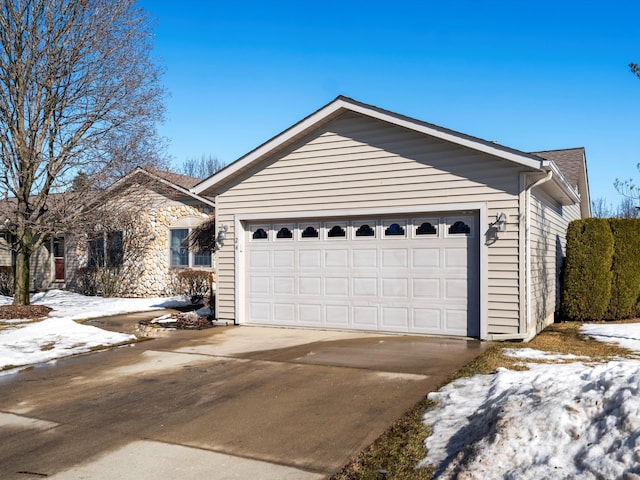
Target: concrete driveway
<point x="225" y="403"/>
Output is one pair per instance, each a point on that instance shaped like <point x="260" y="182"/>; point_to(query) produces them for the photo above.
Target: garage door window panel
<point x="309" y="232"/>
<point x="336" y="231"/>
<point x="460" y="227"/>
<point x="394" y="229"/>
<point x="284" y="232"/>
<point x="260" y="233"/>
<point x="365" y="230"/>
<point x="426" y="228"/>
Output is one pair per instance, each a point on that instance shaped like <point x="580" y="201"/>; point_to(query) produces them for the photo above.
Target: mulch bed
<point x="8" y="312"/>
<point x="181" y="321"/>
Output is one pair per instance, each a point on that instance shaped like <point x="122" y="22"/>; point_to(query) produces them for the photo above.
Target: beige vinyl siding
<point x="5" y="251"/>
<point x="41" y="264"/>
<point x="356" y="162"/>
<point x="41" y="267"/>
<point x="549" y="222"/>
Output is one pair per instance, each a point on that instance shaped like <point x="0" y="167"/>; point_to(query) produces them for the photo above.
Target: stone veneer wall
<point x="151" y="274"/>
<point x="153" y="277"/>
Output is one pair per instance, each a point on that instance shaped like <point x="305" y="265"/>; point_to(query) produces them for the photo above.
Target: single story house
<point x="361" y="218"/>
<point x="137" y="236"/>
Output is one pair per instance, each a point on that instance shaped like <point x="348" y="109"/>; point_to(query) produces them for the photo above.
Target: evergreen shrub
<point x="625" y="268"/>
<point x="586" y="286"/>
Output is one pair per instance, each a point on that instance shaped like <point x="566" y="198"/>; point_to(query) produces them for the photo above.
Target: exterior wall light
<point x="501" y="222"/>
<point x="222" y="234"/>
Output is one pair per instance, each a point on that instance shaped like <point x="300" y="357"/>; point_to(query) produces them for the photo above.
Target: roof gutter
<point x="525" y="334"/>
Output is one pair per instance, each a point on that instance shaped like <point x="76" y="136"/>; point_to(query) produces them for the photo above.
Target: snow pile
<point x="533" y="354"/>
<point x="626" y="335"/>
<point x="79" y="307"/>
<point x="51" y="339"/>
<point x="59" y="335"/>
<point x="552" y="421"/>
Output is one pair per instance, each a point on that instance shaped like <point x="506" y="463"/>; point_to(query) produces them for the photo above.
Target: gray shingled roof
<point x="570" y="161"/>
<point x="184" y="181"/>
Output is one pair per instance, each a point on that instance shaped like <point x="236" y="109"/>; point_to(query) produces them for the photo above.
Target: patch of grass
<point x="396" y="453"/>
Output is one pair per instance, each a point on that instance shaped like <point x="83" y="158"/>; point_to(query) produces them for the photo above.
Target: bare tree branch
<point x="79" y="92"/>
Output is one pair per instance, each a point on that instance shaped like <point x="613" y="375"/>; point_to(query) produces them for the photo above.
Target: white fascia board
<point x="451" y="136"/>
<point x="178" y="188"/>
<point x="268" y="147"/>
<point x="169" y="184"/>
<point x="562" y="183"/>
<point x="316" y="118"/>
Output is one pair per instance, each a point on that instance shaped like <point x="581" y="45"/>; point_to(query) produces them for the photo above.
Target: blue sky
<point x="530" y="75"/>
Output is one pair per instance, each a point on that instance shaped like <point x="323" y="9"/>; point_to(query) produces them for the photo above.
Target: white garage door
<point x="412" y="274"/>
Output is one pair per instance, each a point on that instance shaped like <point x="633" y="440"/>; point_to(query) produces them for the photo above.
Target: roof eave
<point x="565" y="193"/>
<point x="140" y="170"/>
<point x="343" y="104"/>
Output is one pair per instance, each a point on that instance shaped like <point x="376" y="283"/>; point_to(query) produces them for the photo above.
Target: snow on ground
<point x="79" y="307"/>
<point x="568" y="420"/>
<point x="59" y="335"/>
<point x="626" y="335"/>
<point x="533" y="354"/>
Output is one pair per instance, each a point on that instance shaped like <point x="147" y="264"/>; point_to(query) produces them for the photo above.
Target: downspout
<point x="524" y="335"/>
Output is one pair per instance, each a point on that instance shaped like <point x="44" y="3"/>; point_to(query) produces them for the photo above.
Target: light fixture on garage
<point x="222" y="234"/>
<point x="501" y="222"/>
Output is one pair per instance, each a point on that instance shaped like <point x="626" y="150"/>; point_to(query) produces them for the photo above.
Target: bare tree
<point x="628" y="188"/>
<point x="78" y="92"/>
<point x="202" y="167"/>
<point x="627" y="208"/>
<point x="601" y="209"/>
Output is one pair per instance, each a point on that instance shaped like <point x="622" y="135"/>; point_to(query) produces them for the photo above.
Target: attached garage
<point x="358" y="218"/>
<point x="413" y="274"/>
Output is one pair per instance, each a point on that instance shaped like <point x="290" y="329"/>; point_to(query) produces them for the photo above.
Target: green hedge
<point x="625" y="269"/>
<point x="601" y="276"/>
<point x="586" y="286"/>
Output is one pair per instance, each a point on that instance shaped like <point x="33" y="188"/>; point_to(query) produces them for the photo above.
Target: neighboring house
<point x="139" y="231"/>
<point x="360" y="218"/>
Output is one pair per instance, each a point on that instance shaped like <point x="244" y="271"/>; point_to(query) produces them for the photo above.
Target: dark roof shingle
<point x="570" y="161"/>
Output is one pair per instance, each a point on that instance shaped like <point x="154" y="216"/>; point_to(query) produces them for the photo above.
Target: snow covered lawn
<point x="59" y="335"/>
<point x="568" y="420"/>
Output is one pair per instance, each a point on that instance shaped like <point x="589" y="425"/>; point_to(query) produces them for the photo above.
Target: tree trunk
<point x="23" y="271"/>
<point x="21" y="295"/>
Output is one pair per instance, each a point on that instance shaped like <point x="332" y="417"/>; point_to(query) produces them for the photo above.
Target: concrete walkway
<point x="223" y="403"/>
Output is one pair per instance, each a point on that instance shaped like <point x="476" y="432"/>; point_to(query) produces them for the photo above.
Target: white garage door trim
<point x="241" y="221"/>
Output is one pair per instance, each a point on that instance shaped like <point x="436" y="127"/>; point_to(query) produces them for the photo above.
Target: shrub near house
<point x="601" y="278"/>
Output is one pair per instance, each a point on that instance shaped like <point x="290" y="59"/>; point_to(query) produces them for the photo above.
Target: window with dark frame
<point x="394" y="229"/>
<point x="426" y="228"/>
<point x="179" y="248"/>
<point x="310" y="232"/>
<point x="336" y="232"/>
<point x="459" y="227"/>
<point x="260" y="234"/>
<point x="365" y="231"/>
<point x="106" y="250"/>
<point x="284" y="232"/>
